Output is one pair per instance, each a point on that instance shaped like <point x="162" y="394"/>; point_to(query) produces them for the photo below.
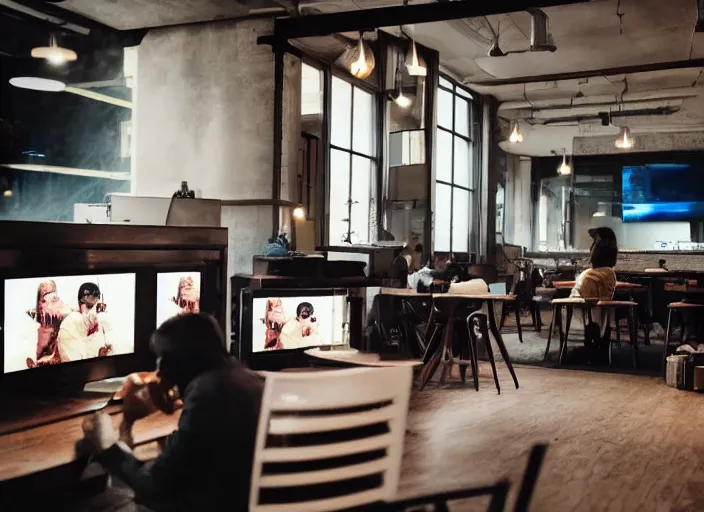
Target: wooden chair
<point x="673" y="309"/>
<point x="564" y="308"/>
<point x="523" y="288"/>
<point x="330" y="440"/>
<point x="627" y="308"/>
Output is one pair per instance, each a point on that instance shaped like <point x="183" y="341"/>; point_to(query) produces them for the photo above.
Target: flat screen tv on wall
<point x="663" y="192"/>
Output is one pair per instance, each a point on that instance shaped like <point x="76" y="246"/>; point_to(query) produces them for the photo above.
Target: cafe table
<point x="440" y="347"/>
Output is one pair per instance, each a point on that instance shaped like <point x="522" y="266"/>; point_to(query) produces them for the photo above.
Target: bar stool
<point x="567" y="305"/>
<point x="676" y="308"/>
<point x="629" y="307"/>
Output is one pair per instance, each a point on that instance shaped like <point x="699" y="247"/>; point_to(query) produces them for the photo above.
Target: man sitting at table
<point x="207" y="462"/>
<point x="598" y="282"/>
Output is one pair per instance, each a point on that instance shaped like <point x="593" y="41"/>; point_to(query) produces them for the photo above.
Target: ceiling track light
<point x="53" y="53"/>
<point x="625" y="140"/>
<point x="515" y="137"/>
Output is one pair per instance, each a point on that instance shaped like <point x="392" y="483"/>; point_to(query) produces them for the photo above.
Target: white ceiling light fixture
<point x="413" y="65"/>
<point x="54" y="54"/>
<point x="515" y="137"/>
<point x="625" y="141"/>
<point x="37" y="84"/>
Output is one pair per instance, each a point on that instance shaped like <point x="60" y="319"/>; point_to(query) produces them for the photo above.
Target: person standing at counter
<point x="207" y="463"/>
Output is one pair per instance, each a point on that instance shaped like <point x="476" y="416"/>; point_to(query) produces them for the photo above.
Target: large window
<point x="455" y="164"/>
<point x="352" y="163"/>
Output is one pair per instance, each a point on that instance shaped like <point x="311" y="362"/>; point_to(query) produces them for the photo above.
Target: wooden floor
<point x="617" y="442"/>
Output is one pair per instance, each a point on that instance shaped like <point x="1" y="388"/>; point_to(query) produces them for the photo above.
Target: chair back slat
<point x="307" y="424"/>
<point x="330" y="440"/>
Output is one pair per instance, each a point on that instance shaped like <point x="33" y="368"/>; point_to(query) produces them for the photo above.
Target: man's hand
<point x="136" y="400"/>
<point x="100" y="433"/>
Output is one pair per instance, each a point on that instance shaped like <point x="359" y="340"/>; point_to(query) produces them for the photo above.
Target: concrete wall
<point x="205" y="114"/>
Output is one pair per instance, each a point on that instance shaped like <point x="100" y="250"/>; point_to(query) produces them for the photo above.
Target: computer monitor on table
<point x="55" y="320"/>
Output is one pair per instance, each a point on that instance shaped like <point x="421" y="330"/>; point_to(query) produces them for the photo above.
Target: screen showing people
<point x="297" y="322"/>
<point x="177" y="293"/>
<point x="54" y="320"/>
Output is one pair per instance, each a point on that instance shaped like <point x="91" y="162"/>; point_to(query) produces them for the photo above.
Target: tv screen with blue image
<point x="662" y="192"/>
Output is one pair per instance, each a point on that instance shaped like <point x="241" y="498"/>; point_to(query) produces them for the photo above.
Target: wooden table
<point x="356" y="358"/>
<point x="53" y="445"/>
<point x="620" y="286"/>
<point x="437" y="349"/>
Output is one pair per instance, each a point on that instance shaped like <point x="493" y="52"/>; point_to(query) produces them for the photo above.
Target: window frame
<point x="374" y="157"/>
<point x="472" y="142"/>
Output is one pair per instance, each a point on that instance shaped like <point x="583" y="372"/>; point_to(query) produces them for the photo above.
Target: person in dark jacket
<point x="206" y="465"/>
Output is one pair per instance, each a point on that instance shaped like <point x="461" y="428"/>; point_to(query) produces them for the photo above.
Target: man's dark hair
<point x="88" y="290"/>
<point x="604" y="251"/>
<point x="305" y="305"/>
<point x="194" y="336"/>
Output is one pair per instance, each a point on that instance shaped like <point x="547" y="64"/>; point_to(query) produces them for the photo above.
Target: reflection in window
<point x="352" y="163"/>
<point x="58" y="149"/>
<point x="311" y="90"/>
<point x="455" y="170"/>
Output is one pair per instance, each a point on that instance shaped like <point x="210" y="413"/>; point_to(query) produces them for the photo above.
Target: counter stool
<point x="568" y="306"/>
<point x="629" y="307"/>
<point x="676" y="308"/>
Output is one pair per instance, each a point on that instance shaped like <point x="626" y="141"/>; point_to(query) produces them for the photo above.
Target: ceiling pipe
<point x="558" y="77"/>
<point x="371" y="19"/>
<point x="602" y="100"/>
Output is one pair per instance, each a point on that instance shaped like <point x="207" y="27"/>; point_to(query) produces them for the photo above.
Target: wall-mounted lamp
<point x="299" y="213"/>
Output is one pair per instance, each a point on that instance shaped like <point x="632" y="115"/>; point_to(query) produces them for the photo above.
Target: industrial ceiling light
<point x="624" y="141"/>
<point x="37" y="84"/>
<point x="53" y="53"/>
<point x="515" y="137"/>
<point x="413" y="65"/>
<point x="564" y="169"/>
<point x="360" y="60"/>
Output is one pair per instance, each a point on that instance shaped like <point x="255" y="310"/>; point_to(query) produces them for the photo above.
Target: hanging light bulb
<point x="564" y="169"/>
<point x="414" y="67"/>
<point x="624" y="141"/>
<point x="402" y="100"/>
<point x="53" y="53"/>
<point x="360" y="60"/>
<point x="515" y="137"/>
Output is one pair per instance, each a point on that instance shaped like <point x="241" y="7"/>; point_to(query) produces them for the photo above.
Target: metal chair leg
<point x="668" y="333"/>
<point x="517" y="309"/>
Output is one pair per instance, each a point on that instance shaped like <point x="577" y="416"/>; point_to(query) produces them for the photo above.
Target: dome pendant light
<point x="363" y="63"/>
<point x="515" y="137"/>
<point x="53" y="53"/>
<point x="414" y="67"/>
<point x="564" y="169"/>
<point x="624" y="141"/>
